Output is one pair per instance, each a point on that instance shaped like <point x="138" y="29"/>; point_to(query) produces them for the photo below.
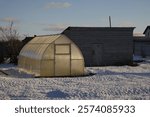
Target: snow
<point x="111" y="82"/>
<point x="138" y="58"/>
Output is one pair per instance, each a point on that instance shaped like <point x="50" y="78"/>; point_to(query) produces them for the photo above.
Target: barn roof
<point x="97" y="28"/>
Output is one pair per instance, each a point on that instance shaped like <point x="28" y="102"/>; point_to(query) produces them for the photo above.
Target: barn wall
<point x="142" y="48"/>
<point x="103" y="46"/>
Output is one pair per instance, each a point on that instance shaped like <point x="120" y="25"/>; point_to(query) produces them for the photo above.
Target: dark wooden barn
<point x="103" y="45"/>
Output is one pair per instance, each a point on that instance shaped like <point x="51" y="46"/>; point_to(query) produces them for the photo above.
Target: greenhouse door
<point x="62" y="60"/>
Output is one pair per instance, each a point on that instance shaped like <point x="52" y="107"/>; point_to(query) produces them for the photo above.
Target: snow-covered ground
<point x="113" y="82"/>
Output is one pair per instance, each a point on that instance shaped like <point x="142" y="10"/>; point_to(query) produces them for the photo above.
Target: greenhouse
<point x="53" y="55"/>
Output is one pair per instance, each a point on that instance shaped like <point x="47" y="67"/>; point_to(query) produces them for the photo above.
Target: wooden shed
<point x="103" y="45"/>
<point x="54" y="55"/>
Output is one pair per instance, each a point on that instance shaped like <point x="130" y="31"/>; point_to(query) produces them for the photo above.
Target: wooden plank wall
<point x="142" y="48"/>
<point x="116" y="45"/>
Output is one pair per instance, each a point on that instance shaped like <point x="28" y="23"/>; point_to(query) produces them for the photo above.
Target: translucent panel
<point x="44" y="39"/>
<point x="35" y="66"/>
<point x="28" y="51"/>
<point x="41" y="49"/>
<point x="20" y="61"/>
<point x="49" y="52"/>
<point x="62" y="49"/>
<point x="62" y="65"/>
<point x="62" y="40"/>
<point x="23" y="49"/>
<point x="75" y="52"/>
<point x="34" y="50"/>
<point x="47" y="68"/>
<point x="29" y="65"/>
<point x="23" y="62"/>
<point x="26" y="65"/>
<point x="77" y="67"/>
<point x="51" y="56"/>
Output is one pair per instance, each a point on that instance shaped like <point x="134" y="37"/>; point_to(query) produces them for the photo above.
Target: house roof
<point x="148" y="27"/>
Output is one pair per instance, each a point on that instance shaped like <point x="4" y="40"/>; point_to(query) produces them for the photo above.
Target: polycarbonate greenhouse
<point x="54" y="55"/>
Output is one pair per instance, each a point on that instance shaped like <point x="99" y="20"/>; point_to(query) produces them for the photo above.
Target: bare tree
<point x="10" y="36"/>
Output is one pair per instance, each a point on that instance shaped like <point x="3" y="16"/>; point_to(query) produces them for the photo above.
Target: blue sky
<point x="52" y="16"/>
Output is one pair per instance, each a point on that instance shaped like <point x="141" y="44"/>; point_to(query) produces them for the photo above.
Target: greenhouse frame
<point x="52" y="55"/>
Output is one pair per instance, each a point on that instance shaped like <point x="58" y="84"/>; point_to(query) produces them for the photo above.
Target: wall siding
<point x="114" y="45"/>
<point x="142" y="48"/>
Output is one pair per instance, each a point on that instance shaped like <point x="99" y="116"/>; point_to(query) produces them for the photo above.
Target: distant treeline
<point x="9" y="51"/>
<point x="10" y="45"/>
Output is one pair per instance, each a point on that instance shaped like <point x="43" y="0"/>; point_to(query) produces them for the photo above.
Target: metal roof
<point x="97" y="28"/>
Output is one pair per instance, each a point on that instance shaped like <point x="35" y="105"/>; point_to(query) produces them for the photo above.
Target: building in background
<point x="142" y="44"/>
<point x="147" y="32"/>
<point x="103" y="45"/>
